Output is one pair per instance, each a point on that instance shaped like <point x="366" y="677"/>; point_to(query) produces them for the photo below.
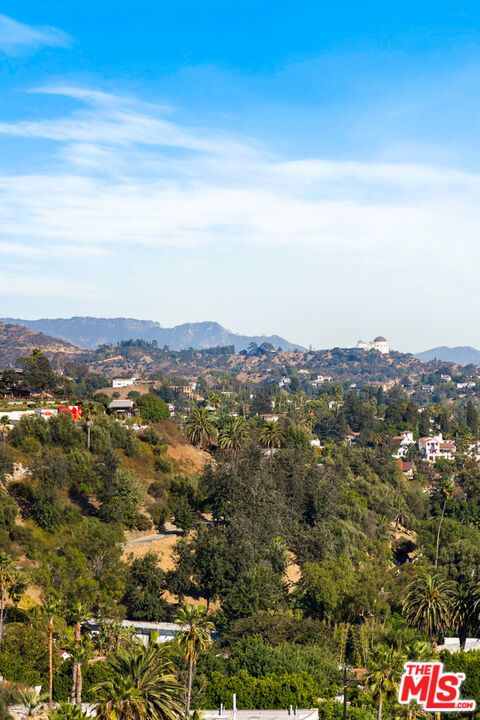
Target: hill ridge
<point x="89" y="332"/>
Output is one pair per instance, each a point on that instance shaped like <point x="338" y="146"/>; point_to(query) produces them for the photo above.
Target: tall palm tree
<point x="427" y="605"/>
<point x="193" y="640"/>
<point x="79" y="654"/>
<point x="76" y="614"/>
<point x="7" y="578"/>
<point x="200" y="426"/>
<point x="233" y="434"/>
<point x="465" y="609"/>
<point x="271" y="435"/>
<point x="141" y="684"/>
<point x="447" y="489"/>
<point x="51" y="608"/>
<point x="89" y="412"/>
<point x="384" y="675"/>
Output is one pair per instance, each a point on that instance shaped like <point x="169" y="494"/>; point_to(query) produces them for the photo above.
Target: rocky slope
<point x="16" y="340"/>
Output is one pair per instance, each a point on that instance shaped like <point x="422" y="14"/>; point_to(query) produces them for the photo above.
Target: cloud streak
<point x="122" y="175"/>
<point x="17" y="38"/>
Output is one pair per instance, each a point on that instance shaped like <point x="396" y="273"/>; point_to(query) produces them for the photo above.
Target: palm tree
<point x="141" y="684"/>
<point x="465" y="609"/>
<point x="7" y="578"/>
<point x="447" y="489"/>
<point x="384" y="675"/>
<point x="271" y="434"/>
<point x="200" y="426"/>
<point x="76" y="614"/>
<point x="89" y="411"/>
<point x="79" y="654"/>
<point x="427" y="605"/>
<point x="50" y="609"/>
<point x="193" y="640"/>
<point x="214" y="400"/>
<point x="233" y="434"/>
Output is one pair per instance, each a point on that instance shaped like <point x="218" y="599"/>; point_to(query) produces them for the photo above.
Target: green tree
<point x="384" y="675"/>
<point x="271" y="434"/>
<point x="193" y="640"/>
<point x="233" y="434"/>
<point x="465" y="609"/>
<point x="427" y="605"/>
<point x="200" y="426"/>
<point x="120" y="499"/>
<point x="141" y="684"/>
<point x="144" y="591"/>
<point x="152" y="408"/>
<point x="7" y="578"/>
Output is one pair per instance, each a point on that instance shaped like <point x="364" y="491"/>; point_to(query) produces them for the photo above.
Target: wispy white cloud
<point x="125" y="176"/>
<point x="17" y="38"/>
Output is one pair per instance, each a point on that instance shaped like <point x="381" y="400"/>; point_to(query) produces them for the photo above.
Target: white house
<point x="405" y="439"/>
<point x="320" y="379"/>
<point x="435" y="447"/>
<point x="452" y="644"/>
<point x="122" y="382"/>
<point x="466" y="385"/>
<point x="143" y="629"/>
<point x="379" y="344"/>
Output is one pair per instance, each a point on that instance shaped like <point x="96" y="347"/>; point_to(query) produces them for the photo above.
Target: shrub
<point x="268" y="692"/>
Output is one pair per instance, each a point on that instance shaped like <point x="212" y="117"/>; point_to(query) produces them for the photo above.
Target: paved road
<point x="145" y="539"/>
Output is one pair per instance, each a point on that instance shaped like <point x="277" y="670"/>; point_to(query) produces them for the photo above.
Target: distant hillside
<point x="463" y="355"/>
<point x="90" y="332"/>
<point x="16" y="340"/>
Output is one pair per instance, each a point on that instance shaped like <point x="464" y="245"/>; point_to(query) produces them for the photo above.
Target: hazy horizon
<point x="309" y="171"/>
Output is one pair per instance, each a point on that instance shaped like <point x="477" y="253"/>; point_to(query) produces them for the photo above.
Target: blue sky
<point x="310" y="169"/>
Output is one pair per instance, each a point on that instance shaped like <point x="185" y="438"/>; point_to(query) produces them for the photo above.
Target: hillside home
<point x="122" y="408"/>
<point x="122" y="382"/>
<point x="405" y="439"/>
<point x="435" y="447"/>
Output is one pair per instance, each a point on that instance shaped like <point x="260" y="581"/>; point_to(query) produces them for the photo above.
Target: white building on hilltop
<point x="379" y="344"/>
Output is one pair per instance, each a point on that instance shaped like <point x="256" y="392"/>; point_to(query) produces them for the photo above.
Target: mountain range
<point x="90" y="332"/>
<point x="462" y="355"/>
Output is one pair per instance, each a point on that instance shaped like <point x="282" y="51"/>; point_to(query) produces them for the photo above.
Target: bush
<point x="268" y="692"/>
<point x="8" y="511"/>
<point x="163" y="464"/>
<point x="152" y="408"/>
<point x="143" y="522"/>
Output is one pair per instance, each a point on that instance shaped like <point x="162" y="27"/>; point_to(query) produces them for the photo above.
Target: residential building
<point x="379" y="344"/>
<point x="122" y="408"/>
<point x="435" y="448"/>
<point x="46" y="412"/>
<point x="405" y="439"/>
<point x="143" y="629"/>
<point x="122" y="382"/>
<point x="452" y="644"/>
<point x="320" y="379"/>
